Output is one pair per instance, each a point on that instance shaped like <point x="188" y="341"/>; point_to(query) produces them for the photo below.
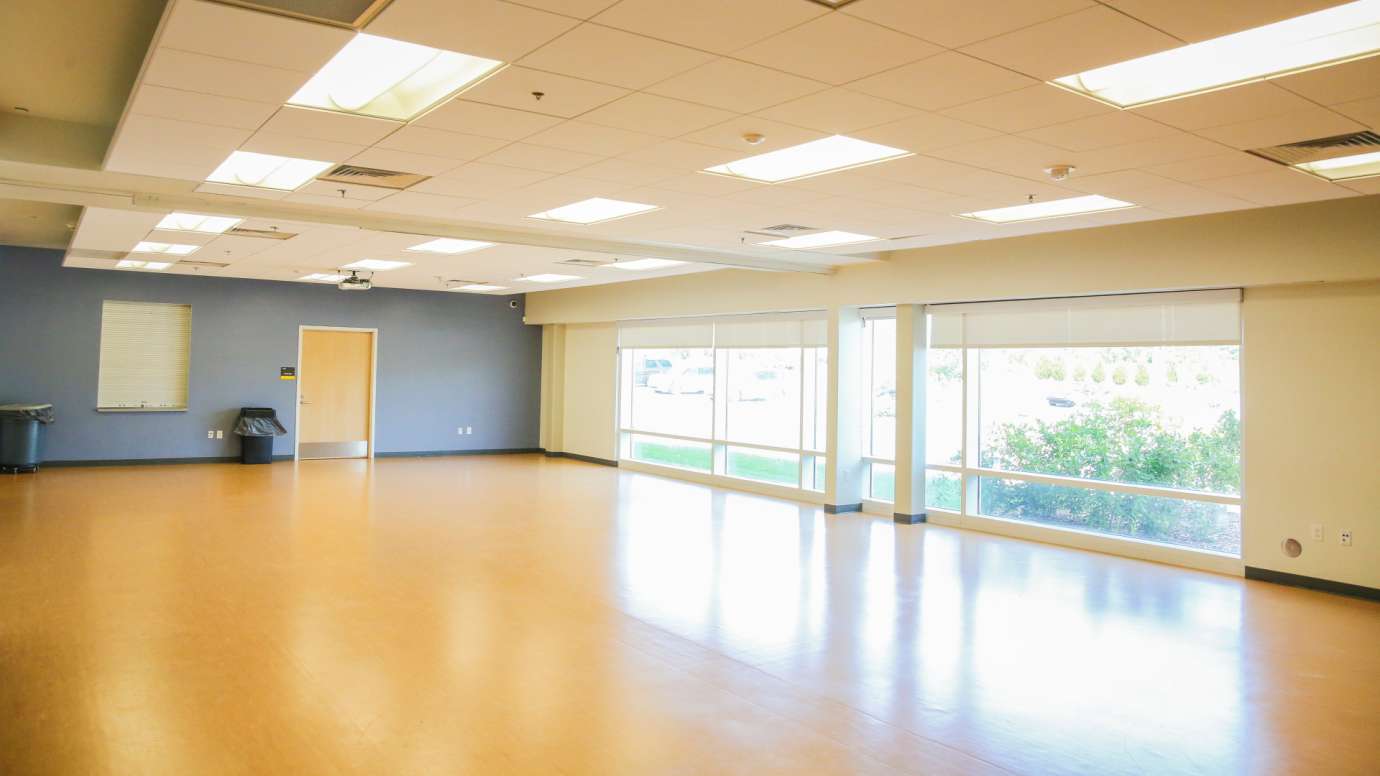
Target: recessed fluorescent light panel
<point x="175" y="249"/>
<point x="1326" y="37"/>
<point x="1344" y="167"/>
<point x="549" y="277"/>
<point x="390" y="79"/>
<point x="477" y="288"/>
<point x="377" y="265"/>
<point x="266" y="171"/>
<point x="829" y="154"/>
<point x="593" y="211"/>
<point x="133" y="264"/>
<point x="646" y="264"/>
<point x="450" y="246"/>
<point x="1054" y="208"/>
<point x="322" y="277"/>
<point x="822" y="240"/>
<point x="195" y="222"/>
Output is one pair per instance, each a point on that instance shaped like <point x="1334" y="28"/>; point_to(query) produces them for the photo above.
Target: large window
<point x="879" y="374"/>
<point x="744" y="398"/>
<point x="1119" y="416"/>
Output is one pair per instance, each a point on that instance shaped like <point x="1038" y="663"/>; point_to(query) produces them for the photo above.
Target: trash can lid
<point x="24" y="407"/>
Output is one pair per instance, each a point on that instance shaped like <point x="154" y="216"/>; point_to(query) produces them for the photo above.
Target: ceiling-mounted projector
<point x="355" y="283"/>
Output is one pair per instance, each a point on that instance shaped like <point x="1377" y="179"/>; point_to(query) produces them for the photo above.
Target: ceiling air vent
<point x="785" y="228"/>
<point x="586" y="262"/>
<point x="202" y="264"/>
<point x="1306" y="151"/>
<point x="263" y="234"/>
<point x="370" y="176"/>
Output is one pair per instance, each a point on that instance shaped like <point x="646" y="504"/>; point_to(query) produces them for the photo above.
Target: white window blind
<point x="666" y="334"/>
<point x="1180" y="318"/>
<point x="788" y="330"/>
<point x="145" y="353"/>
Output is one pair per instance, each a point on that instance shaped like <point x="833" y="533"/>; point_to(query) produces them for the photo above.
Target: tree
<point x="1142" y="375"/>
<point x="1099" y="373"/>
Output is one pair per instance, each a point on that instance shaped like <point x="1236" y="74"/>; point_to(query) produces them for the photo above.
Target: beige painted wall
<point x="1311" y="411"/>
<point x="591" y="385"/>
<point x="1331" y="241"/>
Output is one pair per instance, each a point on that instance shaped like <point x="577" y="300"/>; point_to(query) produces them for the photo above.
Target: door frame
<point x="373" y="383"/>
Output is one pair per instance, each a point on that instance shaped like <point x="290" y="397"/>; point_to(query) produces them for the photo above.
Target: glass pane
<point x="812" y="471"/>
<point x="942" y="490"/>
<point x="1146" y="415"/>
<point x="816" y="399"/>
<point x="882" y="479"/>
<point x="1180" y="522"/>
<point x="672" y="391"/>
<point x="764" y="466"/>
<point x="672" y="452"/>
<point x="882" y="394"/>
<point x="944" y="406"/>
<point x="764" y="396"/>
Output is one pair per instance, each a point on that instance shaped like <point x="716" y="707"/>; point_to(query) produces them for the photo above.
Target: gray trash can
<point x="257" y="426"/>
<point x="21" y="436"/>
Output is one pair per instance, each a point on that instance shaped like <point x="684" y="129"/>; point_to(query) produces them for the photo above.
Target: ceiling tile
<point x="1008" y="154"/>
<point x="1070" y="44"/>
<point x="592" y="139"/>
<point x="478" y="180"/>
<point x="1193" y="20"/>
<point x="1101" y="131"/>
<point x="721" y="26"/>
<point x="351" y="191"/>
<point x="1313" y="122"/>
<point x="251" y="36"/>
<point x="561" y="95"/>
<point x="582" y="9"/>
<point x="1144" y="153"/>
<point x="837" y="48"/>
<point x="181" y="142"/>
<point x="1365" y="111"/>
<point x="192" y="72"/>
<point x="837" y="111"/>
<point x="534" y="157"/>
<point x="628" y="173"/>
<point x="240" y="191"/>
<point x="954" y="23"/>
<point x="653" y="115"/>
<point x="438" y="142"/>
<point x="729" y="135"/>
<point x="925" y="132"/>
<point x="1029" y="108"/>
<point x="417" y="204"/>
<point x="1207" y="167"/>
<point x="1339" y="83"/>
<point x="1276" y="187"/>
<point x="1225" y="106"/>
<point x="1121" y="184"/>
<point x="610" y="56"/>
<point x="300" y="147"/>
<point x="160" y="101"/>
<point x="476" y="118"/>
<point x="682" y="155"/>
<point x="740" y="87"/>
<point x="482" y="28"/>
<point x="1364" y="186"/>
<point x="942" y="81"/>
<point x="143" y="161"/>
<point x="327" y="125"/>
<point x="404" y="161"/>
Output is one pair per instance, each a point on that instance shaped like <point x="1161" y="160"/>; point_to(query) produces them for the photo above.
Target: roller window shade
<point x="666" y="334"/>
<point x="771" y="331"/>
<point x="145" y="354"/>
<point x="1183" y="318"/>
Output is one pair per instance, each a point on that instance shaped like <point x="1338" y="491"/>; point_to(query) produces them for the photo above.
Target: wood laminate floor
<point x="513" y="614"/>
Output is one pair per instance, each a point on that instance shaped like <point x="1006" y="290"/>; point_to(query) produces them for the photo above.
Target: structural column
<point x="912" y="347"/>
<point x="552" y="428"/>
<point x="845" y="471"/>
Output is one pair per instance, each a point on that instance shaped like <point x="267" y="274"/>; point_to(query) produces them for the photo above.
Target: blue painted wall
<point x="444" y="359"/>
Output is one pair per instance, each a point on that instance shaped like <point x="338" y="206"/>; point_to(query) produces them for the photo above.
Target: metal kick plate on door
<point x="333" y="450"/>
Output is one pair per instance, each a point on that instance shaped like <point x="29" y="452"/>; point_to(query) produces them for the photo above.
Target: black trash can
<point x="257" y="426"/>
<point x="21" y="436"/>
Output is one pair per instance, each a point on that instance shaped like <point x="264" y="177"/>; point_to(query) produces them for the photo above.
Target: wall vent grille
<point x="263" y="234"/>
<point x="586" y="262"/>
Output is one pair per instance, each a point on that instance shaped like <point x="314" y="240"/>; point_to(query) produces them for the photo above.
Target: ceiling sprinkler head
<point x="538" y="95"/>
<point x="1060" y="172"/>
<point x="753" y="138"/>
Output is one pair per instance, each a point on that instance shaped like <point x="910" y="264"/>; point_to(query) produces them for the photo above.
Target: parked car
<point x="1059" y="401"/>
<point x="691" y="379"/>
<point x="884" y="403"/>
<point x="644" y="368"/>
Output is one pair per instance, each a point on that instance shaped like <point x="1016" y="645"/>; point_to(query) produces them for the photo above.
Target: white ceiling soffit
<point x="89" y="188"/>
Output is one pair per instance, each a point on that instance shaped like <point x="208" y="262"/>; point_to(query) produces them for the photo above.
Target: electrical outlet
<point x="220" y="433"/>
<point x="1345" y="537"/>
<point x="460" y="430"/>
<point x="210" y="434"/>
<point x="469" y="429"/>
<point x="1317" y="532"/>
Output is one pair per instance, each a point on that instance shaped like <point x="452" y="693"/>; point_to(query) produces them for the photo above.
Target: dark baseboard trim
<point x="1313" y="583"/>
<point x="154" y="461"/>
<point x="440" y="453"/>
<point x="839" y="509"/>
<point x="578" y="457"/>
<point x="905" y="519"/>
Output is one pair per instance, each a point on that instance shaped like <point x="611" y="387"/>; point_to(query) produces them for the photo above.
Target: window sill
<point x="141" y="409"/>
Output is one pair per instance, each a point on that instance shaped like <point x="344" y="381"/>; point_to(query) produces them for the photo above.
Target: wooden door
<point x="335" y="401"/>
